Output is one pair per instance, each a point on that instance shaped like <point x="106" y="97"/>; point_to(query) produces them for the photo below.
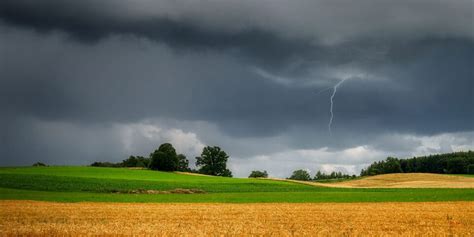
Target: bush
<point x="258" y="174"/>
<point x="37" y="164"/>
<point x="135" y="161"/>
<point x="300" y="175"/>
<point x="105" y="164"/>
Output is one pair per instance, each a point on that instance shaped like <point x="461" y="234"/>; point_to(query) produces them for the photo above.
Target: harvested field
<point x="405" y="180"/>
<point x="413" y="180"/>
<point x="362" y="219"/>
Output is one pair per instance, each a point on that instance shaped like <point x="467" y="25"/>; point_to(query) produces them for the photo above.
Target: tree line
<point x="450" y="163"/>
<point x="213" y="161"/>
<point x="305" y="176"/>
<point x="319" y="176"/>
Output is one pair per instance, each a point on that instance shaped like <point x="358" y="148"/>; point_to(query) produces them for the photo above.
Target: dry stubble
<point x="324" y="219"/>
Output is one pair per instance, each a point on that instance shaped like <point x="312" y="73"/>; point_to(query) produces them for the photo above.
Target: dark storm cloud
<point x="277" y="32"/>
<point x="70" y="69"/>
<point x="118" y="81"/>
<point x="300" y="19"/>
<point x="88" y="24"/>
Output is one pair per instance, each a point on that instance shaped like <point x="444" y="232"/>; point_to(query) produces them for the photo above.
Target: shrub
<point x="300" y="175"/>
<point x="105" y="164"/>
<point x="135" y="161"/>
<point x="258" y="174"/>
<point x="39" y="164"/>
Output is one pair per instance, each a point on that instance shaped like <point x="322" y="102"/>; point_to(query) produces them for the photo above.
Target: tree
<point x="392" y="165"/>
<point x="258" y="174"/>
<point x="164" y="158"/>
<point x="456" y="162"/>
<point x="130" y="162"/>
<point x="470" y="169"/>
<point x="300" y="175"/>
<point x="37" y="164"/>
<point x="213" y="161"/>
<point x="319" y="175"/>
<point x="183" y="163"/>
<point x="142" y="161"/>
<point x="457" y="165"/>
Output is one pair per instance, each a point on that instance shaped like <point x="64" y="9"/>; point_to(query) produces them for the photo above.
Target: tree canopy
<point x="183" y="163"/>
<point x="333" y="175"/>
<point x="213" y="161"/>
<point x="258" y="174"/>
<point x="450" y="163"/>
<point x="164" y="159"/>
<point x="300" y="175"/>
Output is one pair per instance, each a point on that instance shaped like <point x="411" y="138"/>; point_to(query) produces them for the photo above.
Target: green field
<point x="75" y="184"/>
<point x="466" y="175"/>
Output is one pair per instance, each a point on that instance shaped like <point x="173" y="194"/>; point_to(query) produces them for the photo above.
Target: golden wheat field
<point x="400" y="180"/>
<point x="414" y="180"/>
<point x="33" y="218"/>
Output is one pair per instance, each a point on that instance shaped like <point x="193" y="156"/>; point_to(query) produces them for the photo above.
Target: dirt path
<point x="31" y="218"/>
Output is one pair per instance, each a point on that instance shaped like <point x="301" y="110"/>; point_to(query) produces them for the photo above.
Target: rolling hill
<point x="78" y="184"/>
<point x="405" y="180"/>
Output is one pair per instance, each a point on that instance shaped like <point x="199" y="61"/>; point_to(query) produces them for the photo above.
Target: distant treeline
<point x="333" y="175"/>
<point x="450" y="163"/>
<point x="320" y="176"/>
<point x="132" y="161"/>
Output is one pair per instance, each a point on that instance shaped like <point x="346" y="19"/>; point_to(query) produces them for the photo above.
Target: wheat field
<point x="398" y="180"/>
<point x="411" y="180"/>
<point x="33" y="218"/>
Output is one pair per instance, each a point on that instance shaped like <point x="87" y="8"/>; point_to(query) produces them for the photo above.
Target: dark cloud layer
<point x="89" y="25"/>
<point x="76" y="74"/>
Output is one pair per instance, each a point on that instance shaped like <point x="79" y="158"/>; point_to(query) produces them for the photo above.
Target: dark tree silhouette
<point x="183" y="163"/>
<point x="213" y="161"/>
<point x="258" y="174"/>
<point x="164" y="158"/>
<point x="300" y="175"/>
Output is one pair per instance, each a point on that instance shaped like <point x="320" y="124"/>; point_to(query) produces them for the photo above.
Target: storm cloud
<point x="86" y="81"/>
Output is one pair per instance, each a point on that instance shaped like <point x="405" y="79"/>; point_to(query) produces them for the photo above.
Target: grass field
<point x="28" y="218"/>
<point x="466" y="175"/>
<point x="93" y="179"/>
<point x="76" y="184"/>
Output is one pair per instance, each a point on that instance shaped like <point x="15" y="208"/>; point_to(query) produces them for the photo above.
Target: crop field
<point x="58" y="201"/>
<point x="31" y="218"/>
<point x="76" y="184"/>
<point x="106" y="180"/>
<point x="412" y="180"/>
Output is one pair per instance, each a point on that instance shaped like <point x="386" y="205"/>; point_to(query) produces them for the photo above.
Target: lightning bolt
<point x="332" y="104"/>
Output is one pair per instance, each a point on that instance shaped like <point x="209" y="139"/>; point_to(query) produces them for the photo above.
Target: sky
<point x="85" y="81"/>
